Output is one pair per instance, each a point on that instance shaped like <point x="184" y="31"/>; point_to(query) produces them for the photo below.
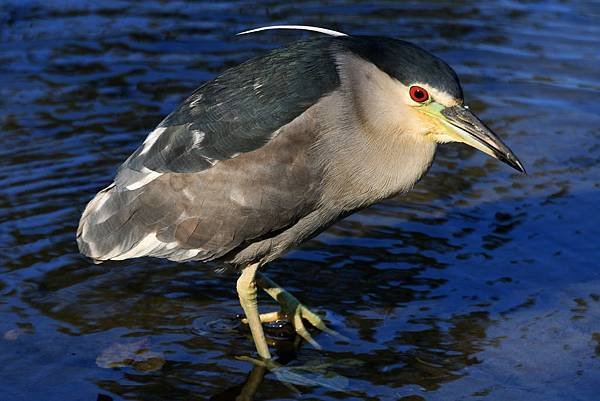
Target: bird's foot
<point x="296" y="313"/>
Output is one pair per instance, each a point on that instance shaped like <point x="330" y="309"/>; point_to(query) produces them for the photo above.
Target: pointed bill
<point x="473" y="132"/>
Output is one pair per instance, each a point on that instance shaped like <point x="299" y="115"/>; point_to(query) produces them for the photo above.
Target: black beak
<point x="475" y="133"/>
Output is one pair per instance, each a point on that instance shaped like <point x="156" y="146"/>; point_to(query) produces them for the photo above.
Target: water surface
<point x="480" y="284"/>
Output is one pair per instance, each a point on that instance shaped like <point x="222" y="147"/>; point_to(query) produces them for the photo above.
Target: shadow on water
<point x="480" y="284"/>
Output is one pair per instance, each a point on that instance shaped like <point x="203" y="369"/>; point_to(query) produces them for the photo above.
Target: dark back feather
<point x="240" y="110"/>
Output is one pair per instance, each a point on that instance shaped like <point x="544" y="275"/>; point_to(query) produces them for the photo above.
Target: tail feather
<point x="105" y="231"/>
<point x="119" y="224"/>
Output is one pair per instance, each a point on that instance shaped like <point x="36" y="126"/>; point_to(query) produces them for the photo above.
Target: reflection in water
<point x="480" y="284"/>
<point x="248" y="390"/>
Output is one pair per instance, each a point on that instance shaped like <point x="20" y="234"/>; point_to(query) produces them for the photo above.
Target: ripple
<point x="479" y="283"/>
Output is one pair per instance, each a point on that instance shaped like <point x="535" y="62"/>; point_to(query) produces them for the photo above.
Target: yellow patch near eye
<point x="437" y="128"/>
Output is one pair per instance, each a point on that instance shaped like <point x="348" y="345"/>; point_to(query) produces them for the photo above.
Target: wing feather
<point x="206" y="215"/>
<point x="237" y="112"/>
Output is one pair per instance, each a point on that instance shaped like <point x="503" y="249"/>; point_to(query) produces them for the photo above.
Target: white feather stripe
<point x="150" y="245"/>
<point x="325" y="31"/>
<point x="144" y="247"/>
<point x="150" y="139"/>
<point x="148" y="177"/>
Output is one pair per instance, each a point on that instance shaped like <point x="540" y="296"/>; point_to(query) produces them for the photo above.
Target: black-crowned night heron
<point x="274" y="151"/>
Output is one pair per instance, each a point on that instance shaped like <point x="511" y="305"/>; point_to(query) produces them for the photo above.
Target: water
<point x="480" y="284"/>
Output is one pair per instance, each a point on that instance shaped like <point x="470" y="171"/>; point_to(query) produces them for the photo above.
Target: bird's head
<point x="405" y="86"/>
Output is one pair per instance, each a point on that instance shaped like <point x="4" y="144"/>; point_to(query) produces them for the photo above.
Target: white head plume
<point x="325" y="31"/>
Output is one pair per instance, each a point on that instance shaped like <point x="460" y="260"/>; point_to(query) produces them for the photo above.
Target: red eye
<point x="418" y="94"/>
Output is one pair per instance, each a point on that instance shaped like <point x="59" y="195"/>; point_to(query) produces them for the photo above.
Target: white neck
<point x="361" y="167"/>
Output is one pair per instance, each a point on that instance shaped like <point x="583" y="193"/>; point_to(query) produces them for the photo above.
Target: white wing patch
<point x="325" y="31"/>
<point x="151" y="138"/>
<point x="197" y="100"/>
<point x="144" y="247"/>
<point x="197" y="137"/>
<point x="149" y="175"/>
<point x="150" y="245"/>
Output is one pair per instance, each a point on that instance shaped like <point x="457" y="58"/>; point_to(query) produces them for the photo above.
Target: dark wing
<point x="237" y="112"/>
<point x="174" y="198"/>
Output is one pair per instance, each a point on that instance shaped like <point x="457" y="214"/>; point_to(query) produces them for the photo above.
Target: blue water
<point x="480" y="284"/>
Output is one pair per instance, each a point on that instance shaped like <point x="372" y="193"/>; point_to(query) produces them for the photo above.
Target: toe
<point x="302" y="332"/>
<point x="317" y="322"/>
<point x="268" y="317"/>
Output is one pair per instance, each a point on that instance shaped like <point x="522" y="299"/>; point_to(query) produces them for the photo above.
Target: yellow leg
<point x="246" y="289"/>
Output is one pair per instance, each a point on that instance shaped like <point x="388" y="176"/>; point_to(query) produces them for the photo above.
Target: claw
<point x="301" y="330"/>
<point x="317" y="322"/>
<point x="296" y="317"/>
<point x="292" y="307"/>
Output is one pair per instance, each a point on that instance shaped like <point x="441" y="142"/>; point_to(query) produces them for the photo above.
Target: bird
<point x="275" y="150"/>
